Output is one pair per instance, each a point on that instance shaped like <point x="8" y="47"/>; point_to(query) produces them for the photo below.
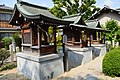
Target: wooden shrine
<point x="35" y="21"/>
<point x="39" y="59"/>
<point x="81" y="33"/>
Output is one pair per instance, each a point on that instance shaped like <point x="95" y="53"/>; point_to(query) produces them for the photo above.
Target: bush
<point x="17" y="39"/>
<point x="111" y="63"/>
<point x="6" y="42"/>
<point x="8" y="66"/>
<point x="4" y="54"/>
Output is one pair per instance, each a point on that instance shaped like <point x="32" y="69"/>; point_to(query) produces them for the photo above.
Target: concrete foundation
<point x="78" y="56"/>
<point x="99" y="50"/>
<point x="40" y="68"/>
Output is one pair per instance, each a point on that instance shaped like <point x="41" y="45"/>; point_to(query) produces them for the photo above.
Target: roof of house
<point x="3" y="7"/>
<point x="95" y="25"/>
<point x="32" y="11"/>
<point x="76" y="18"/>
<point x="105" y="9"/>
<point x="79" y="23"/>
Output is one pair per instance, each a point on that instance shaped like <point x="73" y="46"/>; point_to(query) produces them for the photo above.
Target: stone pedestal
<point x="40" y="68"/>
<point x="78" y="56"/>
<point x="99" y="49"/>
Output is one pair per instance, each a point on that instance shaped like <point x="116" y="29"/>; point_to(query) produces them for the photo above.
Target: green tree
<point x="6" y="41"/>
<point x="69" y="7"/>
<point x="114" y="28"/>
<point x="17" y="39"/>
<point x="4" y="54"/>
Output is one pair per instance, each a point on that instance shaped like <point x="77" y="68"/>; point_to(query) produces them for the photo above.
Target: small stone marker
<point x="11" y="52"/>
<point x="64" y="39"/>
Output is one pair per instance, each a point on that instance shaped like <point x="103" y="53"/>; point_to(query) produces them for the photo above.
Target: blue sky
<point x="48" y="3"/>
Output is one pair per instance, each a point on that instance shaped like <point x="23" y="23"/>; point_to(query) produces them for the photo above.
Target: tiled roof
<point x="76" y="18"/>
<point x="5" y="7"/>
<point x="93" y="24"/>
<point x="104" y="10"/>
<point x="32" y="11"/>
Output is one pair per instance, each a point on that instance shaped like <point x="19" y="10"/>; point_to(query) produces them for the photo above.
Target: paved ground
<point x="89" y="71"/>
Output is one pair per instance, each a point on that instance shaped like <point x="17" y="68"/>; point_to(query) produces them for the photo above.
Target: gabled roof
<point x="94" y="25"/>
<point x="105" y="9"/>
<point x="76" y="18"/>
<point x="79" y="23"/>
<point x="33" y="12"/>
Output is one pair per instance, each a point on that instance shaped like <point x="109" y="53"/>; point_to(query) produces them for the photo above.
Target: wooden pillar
<point x="90" y="40"/>
<point x="54" y="29"/>
<point x="22" y="38"/>
<point x="81" y="40"/>
<point x="87" y="35"/>
<point x="65" y="58"/>
<point x="99" y="37"/>
<point x="39" y="39"/>
<point x="85" y="39"/>
<point x="104" y="38"/>
<point x="73" y="39"/>
<point x="31" y="38"/>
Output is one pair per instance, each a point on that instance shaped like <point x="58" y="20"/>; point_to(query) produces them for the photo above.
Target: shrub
<point x="111" y="63"/>
<point x="6" y="42"/>
<point x="17" y="39"/>
<point x="4" y="54"/>
<point x="8" y="66"/>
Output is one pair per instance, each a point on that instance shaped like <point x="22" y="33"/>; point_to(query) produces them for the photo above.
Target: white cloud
<point x="108" y="3"/>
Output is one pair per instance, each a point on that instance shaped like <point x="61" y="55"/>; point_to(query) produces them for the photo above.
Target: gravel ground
<point x="13" y="76"/>
<point x="88" y="71"/>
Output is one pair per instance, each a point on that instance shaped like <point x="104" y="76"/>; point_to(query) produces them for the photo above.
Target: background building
<point x="6" y="30"/>
<point x="107" y="13"/>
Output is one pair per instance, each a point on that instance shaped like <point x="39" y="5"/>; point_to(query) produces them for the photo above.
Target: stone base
<point x="78" y="56"/>
<point x="40" y="68"/>
<point x="99" y="49"/>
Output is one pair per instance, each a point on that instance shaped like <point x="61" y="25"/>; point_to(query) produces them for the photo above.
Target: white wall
<point x="107" y="16"/>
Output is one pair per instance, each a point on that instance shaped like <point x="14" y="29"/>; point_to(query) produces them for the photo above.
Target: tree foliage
<point x="69" y="7"/>
<point x="114" y="28"/>
<point x="17" y="39"/>
<point x="6" y="41"/>
<point x="4" y="54"/>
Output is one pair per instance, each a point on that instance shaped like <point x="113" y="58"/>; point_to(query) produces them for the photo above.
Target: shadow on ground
<point x="87" y="77"/>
